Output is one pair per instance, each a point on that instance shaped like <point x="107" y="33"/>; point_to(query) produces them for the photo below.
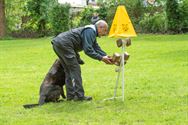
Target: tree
<point x="2" y="18"/>
<point x="59" y="18"/>
<point x="183" y="10"/>
<point x="86" y="15"/>
<point x="38" y="11"/>
<point x="173" y="15"/>
<point x="14" y="12"/>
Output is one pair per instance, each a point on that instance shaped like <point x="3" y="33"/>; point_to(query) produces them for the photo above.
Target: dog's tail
<point x="28" y="106"/>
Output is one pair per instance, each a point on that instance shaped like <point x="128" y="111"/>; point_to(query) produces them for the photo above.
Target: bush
<point x="75" y="20"/>
<point x="183" y="18"/>
<point x="105" y="14"/>
<point x="102" y="11"/>
<point x="110" y="15"/>
<point x="135" y="10"/>
<point x="59" y="18"/>
<point x="25" y="33"/>
<point x="173" y="15"/>
<point x="86" y="15"/>
<point x="153" y="24"/>
<point x="38" y="11"/>
<point x="177" y="16"/>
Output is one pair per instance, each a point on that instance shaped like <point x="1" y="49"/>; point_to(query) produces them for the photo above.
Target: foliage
<point x="177" y="15"/>
<point x="104" y="12"/>
<point x="183" y="18"/>
<point x="86" y="15"/>
<point x="2" y="20"/>
<point x="110" y="15"/>
<point x="38" y="11"/>
<point x="36" y="16"/>
<point x="154" y="23"/>
<point x="75" y="20"/>
<point x="37" y="20"/>
<point x="173" y="16"/>
<point x="156" y="90"/>
<point x="14" y="12"/>
<point x="59" y="18"/>
<point x="157" y="7"/>
<point x="135" y="10"/>
<point x="27" y="32"/>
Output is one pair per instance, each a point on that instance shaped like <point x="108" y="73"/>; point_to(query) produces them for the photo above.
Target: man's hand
<point x="107" y="59"/>
<point x="80" y="61"/>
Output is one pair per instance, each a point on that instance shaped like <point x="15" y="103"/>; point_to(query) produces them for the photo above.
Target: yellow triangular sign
<point x="121" y="25"/>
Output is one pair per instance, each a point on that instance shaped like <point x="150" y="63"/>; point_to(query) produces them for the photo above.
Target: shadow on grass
<point x="82" y="106"/>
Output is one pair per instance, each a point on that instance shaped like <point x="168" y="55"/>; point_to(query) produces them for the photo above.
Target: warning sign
<point x="121" y="25"/>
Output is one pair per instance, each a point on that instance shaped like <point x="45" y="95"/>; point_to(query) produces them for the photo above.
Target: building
<point x="74" y="3"/>
<point x="79" y="3"/>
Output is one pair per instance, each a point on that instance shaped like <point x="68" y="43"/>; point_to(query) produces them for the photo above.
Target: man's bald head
<point x="101" y="23"/>
<point x="102" y="27"/>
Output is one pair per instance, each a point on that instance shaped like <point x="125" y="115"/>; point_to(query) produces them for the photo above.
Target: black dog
<point x="52" y="85"/>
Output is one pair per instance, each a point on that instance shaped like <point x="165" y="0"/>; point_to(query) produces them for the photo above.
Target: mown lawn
<point x="156" y="79"/>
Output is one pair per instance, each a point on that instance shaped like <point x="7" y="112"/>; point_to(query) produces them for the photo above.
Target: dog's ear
<point x="42" y="100"/>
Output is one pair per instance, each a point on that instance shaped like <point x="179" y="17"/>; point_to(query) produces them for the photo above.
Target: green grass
<point x="156" y="79"/>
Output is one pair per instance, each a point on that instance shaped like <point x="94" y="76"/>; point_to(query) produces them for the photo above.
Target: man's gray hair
<point x="101" y="23"/>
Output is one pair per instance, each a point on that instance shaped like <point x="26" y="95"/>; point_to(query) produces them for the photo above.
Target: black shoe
<point x="70" y="98"/>
<point x="85" y="98"/>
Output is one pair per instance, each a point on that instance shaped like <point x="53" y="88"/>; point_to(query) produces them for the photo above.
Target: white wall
<point x="74" y="3"/>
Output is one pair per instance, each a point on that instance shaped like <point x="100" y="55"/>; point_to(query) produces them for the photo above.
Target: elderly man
<point x="67" y="45"/>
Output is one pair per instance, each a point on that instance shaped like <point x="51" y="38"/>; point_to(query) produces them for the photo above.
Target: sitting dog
<point x="52" y="85"/>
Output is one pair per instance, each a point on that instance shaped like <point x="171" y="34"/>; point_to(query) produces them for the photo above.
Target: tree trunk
<point x="2" y="18"/>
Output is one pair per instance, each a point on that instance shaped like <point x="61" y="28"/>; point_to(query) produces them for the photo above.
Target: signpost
<point x="121" y="28"/>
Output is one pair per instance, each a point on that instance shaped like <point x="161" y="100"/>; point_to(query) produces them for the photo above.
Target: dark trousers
<point x="73" y="79"/>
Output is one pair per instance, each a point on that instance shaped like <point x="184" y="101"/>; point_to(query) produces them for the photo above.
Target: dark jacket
<point x="82" y="38"/>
